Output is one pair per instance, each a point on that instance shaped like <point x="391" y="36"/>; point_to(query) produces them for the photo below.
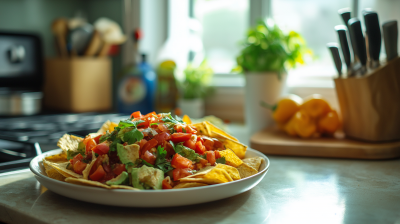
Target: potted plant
<point x="193" y="88"/>
<point x="266" y="55"/>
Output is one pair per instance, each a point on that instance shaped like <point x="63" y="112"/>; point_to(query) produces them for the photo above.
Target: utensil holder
<point x="370" y="105"/>
<point x="78" y="84"/>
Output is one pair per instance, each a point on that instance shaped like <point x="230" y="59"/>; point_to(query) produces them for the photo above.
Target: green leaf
<point x="104" y="137"/>
<point x="146" y="163"/>
<point x="128" y="123"/>
<point x="221" y="160"/>
<point x="187" y="152"/>
<point x="133" y="136"/>
<point x="113" y="145"/>
<point x="183" y="130"/>
<point x="161" y="162"/>
<point x="169" y="118"/>
<point x="81" y="150"/>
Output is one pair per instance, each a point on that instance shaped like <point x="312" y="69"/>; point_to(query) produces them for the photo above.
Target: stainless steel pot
<point x="20" y="102"/>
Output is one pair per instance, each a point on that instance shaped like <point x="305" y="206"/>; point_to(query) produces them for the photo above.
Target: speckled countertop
<point x="295" y="190"/>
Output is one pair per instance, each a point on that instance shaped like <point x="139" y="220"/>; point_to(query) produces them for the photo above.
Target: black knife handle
<point x="333" y="47"/>
<point x="374" y="34"/>
<point x="345" y="14"/>
<point x="390" y="35"/>
<point x="344" y="44"/>
<point x="359" y="41"/>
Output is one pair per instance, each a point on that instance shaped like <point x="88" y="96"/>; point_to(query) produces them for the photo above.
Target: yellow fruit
<point x="315" y="106"/>
<point x="286" y="108"/>
<point x="329" y="123"/>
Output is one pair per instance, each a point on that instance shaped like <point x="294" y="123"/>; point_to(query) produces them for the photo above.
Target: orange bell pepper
<point x="315" y="106"/>
<point x="329" y="123"/>
<point x="285" y="108"/>
<point x="301" y="124"/>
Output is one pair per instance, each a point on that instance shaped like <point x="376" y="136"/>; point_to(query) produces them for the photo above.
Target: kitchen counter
<point x="295" y="190"/>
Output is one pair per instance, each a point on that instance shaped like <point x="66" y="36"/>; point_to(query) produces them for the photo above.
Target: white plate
<point x="150" y="198"/>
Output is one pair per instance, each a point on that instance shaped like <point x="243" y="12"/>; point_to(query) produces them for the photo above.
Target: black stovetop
<point x="22" y="138"/>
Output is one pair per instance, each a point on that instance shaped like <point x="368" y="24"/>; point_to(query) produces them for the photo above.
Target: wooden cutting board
<point x="275" y="142"/>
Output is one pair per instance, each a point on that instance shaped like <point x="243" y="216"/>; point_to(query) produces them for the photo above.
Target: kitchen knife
<point x="344" y="44"/>
<point x="359" y="42"/>
<point x="374" y="36"/>
<point x="366" y="10"/>
<point x="345" y="14"/>
<point x="333" y="47"/>
<point x="390" y="35"/>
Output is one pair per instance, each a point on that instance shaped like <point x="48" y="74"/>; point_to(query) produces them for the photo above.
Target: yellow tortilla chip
<point x="52" y="173"/>
<point x="189" y="185"/>
<point x="213" y="128"/>
<point x="186" y="119"/>
<point x="86" y="171"/>
<point x="246" y="170"/>
<point x="69" y="142"/>
<point x="107" y="126"/>
<point x="123" y="187"/>
<point x="86" y="182"/>
<point x="232" y="171"/>
<point x="215" y="176"/>
<point x="238" y="148"/>
<point x="201" y="128"/>
<point x="62" y="169"/>
<point x="254" y="162"/>
<point x="202" y="171"/>
<point x="59" y="158"/>
<point x="231" y="158"/>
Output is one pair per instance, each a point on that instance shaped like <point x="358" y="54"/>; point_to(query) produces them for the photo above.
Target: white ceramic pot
<point x="259" y="87"/>
<point x="194" y="108"/>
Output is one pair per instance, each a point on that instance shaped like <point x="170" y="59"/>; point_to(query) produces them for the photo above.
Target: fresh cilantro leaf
<point x="177" y="118"/>
<point x="113" y="145"/>
<point x="81" y="150"/>
<point x="97" y="155"/>
<point x="104" y="137"/>
<point x="183" y="130"/>
<point x="161" y="163"/>
<point x="153" y="124"/>
<point x="146" y="163"/>
<point x="128" y="123"/>
<point x="169" y="118"/>
<point x="132" y="136"/>
<point x="221" y="160"/>
<point x="173" y="145"/>
<point x="67" y="165"/>
<point x="186" y="152"/>
<point x="204" y="156"/>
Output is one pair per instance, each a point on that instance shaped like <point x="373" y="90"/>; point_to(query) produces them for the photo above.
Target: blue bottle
<point x="136" y="88"/>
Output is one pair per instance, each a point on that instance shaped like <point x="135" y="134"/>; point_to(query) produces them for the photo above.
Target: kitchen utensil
<point x="390" y="36"/>
<point x="59" y="28"/>
<point x="345" y="14"/>
<point x="111" y="34"/>
<point x="276" y="142"/>
<point x="360" y="50"/>
<point x="94" y="45"/>
<point x="149" y="198"/>
<point x="80" y="38"/>
<point x="15" y="102"/>
<point x="374" y="36"/>
<point x="333" y="47"/>
<point x="344" y="45"/>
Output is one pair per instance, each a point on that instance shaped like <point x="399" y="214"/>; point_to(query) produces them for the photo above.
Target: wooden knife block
<point x="80" y="84"/>
<point x="370" y="105"/>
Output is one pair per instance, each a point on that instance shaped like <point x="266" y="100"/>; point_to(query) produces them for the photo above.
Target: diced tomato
<point x="98" y="174"/>
<point x="211" y="157"/>
<point x="97" y="163"/>
<point x="217" y="155"/>
<point x="125" y="144"/>
<point x="142" y="142"/>
<point x="119" y="168"/>
<point x="170" y="150"/>
<point x="79" y="166"/>
<point x="76" y="158"/>
<point x="136" y="114"/>
<point x="163" y="127"/>
<point x="90" y="143"/>
<point x="200" y="149"/>
<point x="97" y="139"/>
<point x="179" y="161"/>
<point x="200" y="138"/>
<point x="101" y="149"/>
<point x="209" y="144"/>
<point x="191" y="143"/>
<point x="203" y="161"/>
<point x="180" y="137"/>
<point x="166" y="184"/>
<point x="190" y="129"/>
<point x="146" y="147"/>
<point x="162" y="137"/>
<point x="217" y="144"/>
<point x="109" y="174"/>
<point x="149" y="157"/>
<point x="181" y="173"/>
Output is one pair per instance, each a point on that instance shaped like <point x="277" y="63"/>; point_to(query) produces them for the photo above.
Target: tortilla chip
<point x="189" y="185"/>
<point x="254" y="162"/>
<point x="186" y="119"/>
<point x="238" y="148"/>
<point x="69" y="142"/>
<point x="201" y="128"/>
<point x="107" y="126"/>
<point x="246" y="170"/>
<point x="86" y="182"/>
<point x="202" y="171"/>
<point x="231" y="158"/>
<point x="86" y="171"/>
<point x="213" y="128"/>
<point x="52" y="173"/>
<point x="62" y="169"/>
<point x="59" y="158"/>
<point x="232" y="171"/>
<point x="123" y="187"/>
<point x="215" y="176"/>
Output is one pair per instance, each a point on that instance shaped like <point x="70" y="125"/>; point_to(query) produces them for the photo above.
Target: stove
<point x="22" y="138"/>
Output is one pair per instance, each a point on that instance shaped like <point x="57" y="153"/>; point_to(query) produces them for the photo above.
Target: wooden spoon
<point x="59" y="28"/>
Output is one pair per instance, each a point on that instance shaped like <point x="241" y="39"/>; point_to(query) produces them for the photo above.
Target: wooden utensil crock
<point x="370" y="105"/>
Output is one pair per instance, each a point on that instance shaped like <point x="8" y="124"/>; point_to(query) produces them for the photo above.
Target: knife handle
<point x="374" y="34"/>
<point x="390" y="35"/>
<point x="333" y="47"/>
<point x="345" y="14"/>
<point x="344" y="44"/>
<point x="359" y="41"/>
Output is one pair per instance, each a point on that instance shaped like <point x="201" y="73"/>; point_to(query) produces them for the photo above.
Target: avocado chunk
<point x="147" y="178"/>
<point x="135" y="179"/>
<point x="129" y="153"/>
<point x="120" y="179"/>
